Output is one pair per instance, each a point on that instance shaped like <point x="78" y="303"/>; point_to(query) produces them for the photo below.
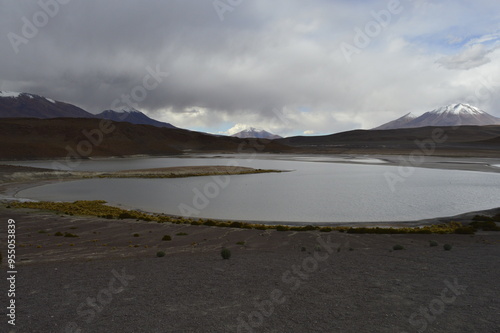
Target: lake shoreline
<point x="28" y="177"/>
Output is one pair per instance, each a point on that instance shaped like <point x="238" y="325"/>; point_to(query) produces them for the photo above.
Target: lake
<point x="317" y="189"/>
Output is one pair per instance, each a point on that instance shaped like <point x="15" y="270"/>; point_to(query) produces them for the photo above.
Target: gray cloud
<point x="264" y="56"/>
<point x="471" y="57"/>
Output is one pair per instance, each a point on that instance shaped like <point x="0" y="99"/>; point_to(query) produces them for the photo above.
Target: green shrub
<point x="67" y="234"/>
<point x="136" y="235"/>
<point x="282" y="228"/>
<point x="166" y="238"/>
<point x="225" y="253"/>
<point x="42" y="231"/>
<point x="210" y="223"/>
<point x="447" y="247"/>
<point x="485" y="225"/>
<point x="433" y="243"/>
<point x="240" y="243"/>
<point x="325" y="229"/>
<point x="398" y="247"/>
<point x="160" y="254"/>
<point x="236" y="224"/>
<point x="58" y="234"/>
<point x="181" y="234"/>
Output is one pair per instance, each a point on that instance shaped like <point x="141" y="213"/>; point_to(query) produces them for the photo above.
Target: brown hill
<point x="467" y="138"/>
<point x="28" y="138"/>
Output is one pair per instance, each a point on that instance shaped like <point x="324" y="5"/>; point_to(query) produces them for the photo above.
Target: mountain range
<point x="24" y="105"/>
<point x="253" y="132"/>
<point x="450" y="115"/>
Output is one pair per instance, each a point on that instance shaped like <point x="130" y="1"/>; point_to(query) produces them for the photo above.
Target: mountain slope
<point x="24" y="105"/>
<point x="455" y="115"/>
<point x="132" y="116"/>
<point x="450" y="115"/>
<point x="256" y="133"/>
<point x="398" y="123"/>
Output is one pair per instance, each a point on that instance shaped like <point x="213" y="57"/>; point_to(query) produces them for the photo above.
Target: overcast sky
<point x="288" y="66"/>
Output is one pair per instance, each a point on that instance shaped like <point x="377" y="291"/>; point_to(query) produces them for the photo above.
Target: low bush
<point x="484" y="225"/>
<point x="447" y="247"/>
<point x="160" y="254"/>
<point x="282" y="228"/>
<point x="125" y="215"/>
<point x="433" y="243"/>
<point x="166" y="238"/>
<point x="136" y="235"/>
<point x="181" y="234"/>
<point x="210" y="223"/>
<point x="398" y="247"/>
<point x="67" y="234"/>
<point x="58" y="234"/>
<point x="225" y="253"/>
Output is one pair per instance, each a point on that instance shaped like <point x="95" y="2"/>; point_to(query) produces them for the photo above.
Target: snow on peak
<point x="458" y="109"/>
<point x="9" y="94"/>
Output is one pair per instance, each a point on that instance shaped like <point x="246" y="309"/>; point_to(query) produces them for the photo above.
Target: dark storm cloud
<point x="262" y="57"/>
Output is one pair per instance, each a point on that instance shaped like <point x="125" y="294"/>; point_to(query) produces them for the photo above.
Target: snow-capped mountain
<point x="450" y="115"/>
<point x="256" y="133"/>
<point x="398" y="123"/>
<point x="132" y="116"/>
<point x="24" y="105"/>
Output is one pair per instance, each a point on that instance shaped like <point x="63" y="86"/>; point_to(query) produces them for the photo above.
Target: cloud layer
<point x="276" y="65"/>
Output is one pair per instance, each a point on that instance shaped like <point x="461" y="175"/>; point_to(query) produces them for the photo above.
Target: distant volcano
<point x="450" y="115"/>
<point x="256" y="133"/>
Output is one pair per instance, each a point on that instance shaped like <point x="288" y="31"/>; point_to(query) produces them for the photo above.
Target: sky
<point x="291" y="67"/>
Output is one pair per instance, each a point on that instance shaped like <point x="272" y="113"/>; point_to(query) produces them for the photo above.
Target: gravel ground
<point x="107" y="280"/>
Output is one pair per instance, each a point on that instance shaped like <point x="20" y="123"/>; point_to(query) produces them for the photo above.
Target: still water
<point x="317" y="189"/>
